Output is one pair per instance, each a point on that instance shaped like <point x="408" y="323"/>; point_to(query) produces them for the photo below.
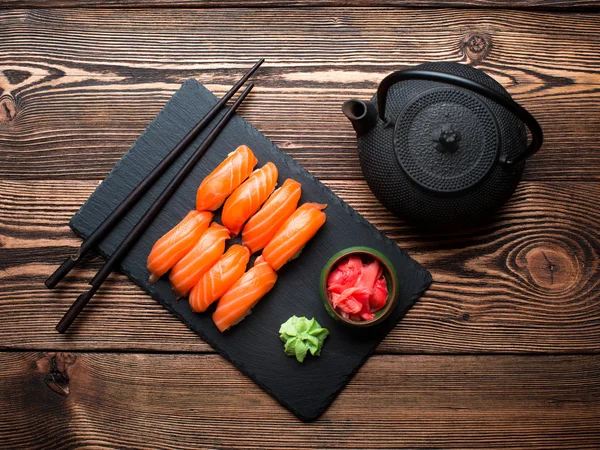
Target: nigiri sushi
<point x="222" y="181"/>
<point x="293" y="235"/>
<point x="240" y="298"/>
<point x="173" y="246"/>
<point x="249" y="197"/>
<point x="263" y="225"/>
<point x="220" y="277"/>
<point x="209" y="248"/>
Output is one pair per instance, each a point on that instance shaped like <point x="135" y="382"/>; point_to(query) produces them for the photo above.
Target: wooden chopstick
<point x="126" y="205"/>
<point x="137" y="231"/>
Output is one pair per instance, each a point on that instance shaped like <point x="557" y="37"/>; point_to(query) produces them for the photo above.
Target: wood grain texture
<point x="78" y="86"/>
<point x="529" y="4"/>
<point x="528" y="282"/>
<point x="68" y="400"/>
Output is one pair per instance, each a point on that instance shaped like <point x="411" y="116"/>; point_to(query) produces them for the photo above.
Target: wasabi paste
<point x="301" y="335"/>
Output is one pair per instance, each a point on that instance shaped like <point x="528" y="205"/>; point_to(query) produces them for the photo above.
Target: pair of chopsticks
<point x="136" y="232"/>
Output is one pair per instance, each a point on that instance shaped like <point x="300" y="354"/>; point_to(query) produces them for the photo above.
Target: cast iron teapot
<point x="442" y="145"/>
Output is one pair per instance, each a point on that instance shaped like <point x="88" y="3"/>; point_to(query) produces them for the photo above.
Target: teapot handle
<point x="537" y="136"/>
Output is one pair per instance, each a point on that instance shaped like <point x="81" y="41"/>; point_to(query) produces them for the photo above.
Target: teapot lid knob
<point x="446" y="138"/>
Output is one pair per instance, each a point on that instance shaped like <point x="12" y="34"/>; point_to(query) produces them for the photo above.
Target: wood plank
<point x="518" y="46"/>
<point x="78" y="86"/>
<point x="529" y="4"/>
<point x="176" y="401"/>
<point x="81" y="134"/>
<point x="528" y="282"/>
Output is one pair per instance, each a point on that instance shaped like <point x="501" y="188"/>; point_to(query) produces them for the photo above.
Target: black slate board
<point x="253" y="346"/>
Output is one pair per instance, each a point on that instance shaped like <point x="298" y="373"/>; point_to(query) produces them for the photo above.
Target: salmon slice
<point x="222" y="181"/>
<point x="240" y="298"/>
<point x="214" y="283"/>
<point x="263" y="225"/>
<point x="249" y="197"/>
<point x="209" y="248"/>
<point x="173" y="246"/>
<point x="293" y="235"/>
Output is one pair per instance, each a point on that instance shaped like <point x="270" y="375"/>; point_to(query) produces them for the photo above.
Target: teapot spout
<point x="363" y="115"/>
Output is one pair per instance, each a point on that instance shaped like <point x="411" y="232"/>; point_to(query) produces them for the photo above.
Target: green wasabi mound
<point x="301" y="336"/>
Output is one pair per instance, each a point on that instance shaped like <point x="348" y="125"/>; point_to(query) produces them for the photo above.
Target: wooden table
<point x="502" y="351"/>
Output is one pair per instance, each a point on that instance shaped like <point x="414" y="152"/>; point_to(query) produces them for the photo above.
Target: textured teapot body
<point x="437" y="157"/>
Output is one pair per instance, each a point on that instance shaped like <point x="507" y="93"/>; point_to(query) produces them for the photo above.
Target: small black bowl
<point x="388" y="272"/>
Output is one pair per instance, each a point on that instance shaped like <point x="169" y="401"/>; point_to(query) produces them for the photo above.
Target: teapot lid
<point x="446" y="139"/>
